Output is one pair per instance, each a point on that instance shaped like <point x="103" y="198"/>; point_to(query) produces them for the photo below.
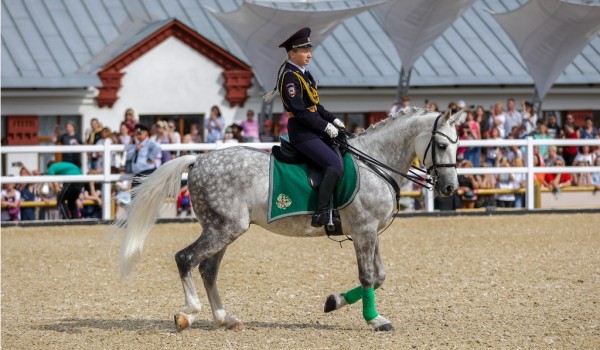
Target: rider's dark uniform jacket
<point x="308" y="120"/>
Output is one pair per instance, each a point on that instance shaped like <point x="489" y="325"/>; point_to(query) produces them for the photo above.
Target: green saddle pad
<point x="290" y="193"/>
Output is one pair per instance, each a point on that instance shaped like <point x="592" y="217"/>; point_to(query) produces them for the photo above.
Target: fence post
<point x="538" y="195"/>
<point x="530" y="174"/>
<point x="106" y="184"/>
<point x="429" y="207"/>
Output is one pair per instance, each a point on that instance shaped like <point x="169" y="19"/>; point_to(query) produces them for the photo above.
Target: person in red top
<point x="556" y="181"/>
<point x="570" y="152"/>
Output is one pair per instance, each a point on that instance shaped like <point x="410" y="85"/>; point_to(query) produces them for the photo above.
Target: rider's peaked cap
<point x="299" y="39"/>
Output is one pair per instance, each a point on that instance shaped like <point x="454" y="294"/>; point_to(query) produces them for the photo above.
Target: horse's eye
<point x="442" y="145"/>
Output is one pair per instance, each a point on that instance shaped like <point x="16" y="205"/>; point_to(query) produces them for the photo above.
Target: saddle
<point x="286" y="153"/>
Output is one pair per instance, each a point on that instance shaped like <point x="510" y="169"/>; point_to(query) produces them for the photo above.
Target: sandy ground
<point x="453" y="282"/>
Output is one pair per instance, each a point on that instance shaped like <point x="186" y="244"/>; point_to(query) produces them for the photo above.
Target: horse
<point x="229" y="192"/>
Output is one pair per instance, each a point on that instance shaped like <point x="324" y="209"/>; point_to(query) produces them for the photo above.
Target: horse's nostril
<point x="449" y="189"/>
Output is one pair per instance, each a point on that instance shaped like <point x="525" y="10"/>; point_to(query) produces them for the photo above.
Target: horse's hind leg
<point x="207" y="245"/>
<point x="209" y="270"/>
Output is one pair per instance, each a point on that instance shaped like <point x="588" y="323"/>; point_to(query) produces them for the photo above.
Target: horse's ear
<point x="458" y="117"/>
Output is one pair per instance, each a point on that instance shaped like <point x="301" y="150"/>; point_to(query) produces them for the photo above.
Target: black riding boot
<point x="321" y="215"/>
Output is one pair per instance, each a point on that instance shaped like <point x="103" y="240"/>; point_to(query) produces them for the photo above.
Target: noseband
<point x="432" y="170"/>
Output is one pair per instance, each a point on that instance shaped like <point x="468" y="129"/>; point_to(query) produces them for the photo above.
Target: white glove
<point x="331" y="130"/>
<point x="339" y="123"/>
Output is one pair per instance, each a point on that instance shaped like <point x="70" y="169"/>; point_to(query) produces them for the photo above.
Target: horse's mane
<point x="401" y="115"/>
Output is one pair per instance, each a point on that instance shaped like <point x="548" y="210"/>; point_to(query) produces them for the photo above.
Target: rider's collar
<point x="302" y="69"/>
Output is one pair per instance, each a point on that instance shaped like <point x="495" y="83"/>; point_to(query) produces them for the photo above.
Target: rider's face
<point x="301" y="56"/>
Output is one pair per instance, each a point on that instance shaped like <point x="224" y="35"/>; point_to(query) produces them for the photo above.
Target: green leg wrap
<point x="369" y="311"/>
<point x="354" y="295"/>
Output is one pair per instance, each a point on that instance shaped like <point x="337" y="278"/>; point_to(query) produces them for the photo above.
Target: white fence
<point x="107" y="178"/>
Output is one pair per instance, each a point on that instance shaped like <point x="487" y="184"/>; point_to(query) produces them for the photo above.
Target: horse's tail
<point x="147" y="201"/>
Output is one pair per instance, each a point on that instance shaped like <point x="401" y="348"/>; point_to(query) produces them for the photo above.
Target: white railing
<point x="107" y="178"/>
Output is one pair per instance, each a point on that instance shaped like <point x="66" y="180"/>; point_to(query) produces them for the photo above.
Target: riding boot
<point x="321" y="215"/>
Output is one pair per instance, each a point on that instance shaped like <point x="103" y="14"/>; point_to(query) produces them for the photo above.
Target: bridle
<point x="431" y="173"/>
<point x="432" y="170"/>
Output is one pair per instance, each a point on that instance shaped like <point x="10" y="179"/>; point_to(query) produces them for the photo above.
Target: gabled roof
<point x="59" y="44"/>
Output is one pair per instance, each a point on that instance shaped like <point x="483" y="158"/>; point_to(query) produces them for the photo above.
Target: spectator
<point x="529" y="118"/>
<point x="552" y="127"/>
<point x="130" y="121"/>
<point x="595" y="176"/>
<point x="542" y="134"/>
<point x="512" y="152"/>
<point x="505" y="182"/>
<point x="125" y="137"/>
<point x="556" y="181"/>
<point x="538" y="161"/>
<point x="500" y="120"/>
<point x="93" y="136"/>
<point x="184" y="202"/>
<point x="214" y="125"/>
<point x="250" y="127"/>
<point x="121" y="189"/>
<point x="29" y="193"/>
<point x="513" y="117"/>
<point x="569" y="121"/>
<point x="228" y="138"/>
<point x="569" y="152"/>
<point x="163" y="137"/>
<point x="105" y="139"/>
<point x="48" y="196"/>
<point x="585" y="157"/>
<point x="174" y="136"/>
<point x="432" y="106"/>
<point x="11" y="198"/>
<point x="399" y="105"/>
<point x="267" y="134"/>
<point x="283" y="124"/>
<point x="468" y="184"/>
<point x="484" y="122"/>
<point x="588" y="131"/>
<point x="493" y="153"/>
<point x="91" y="192"/>
<point x="117" y="159"/>
<point x="552" y="155"/>
<point x="473" y="132"/>
<point x="486" y="181"/>
<point x="69" y="191"/>
<point x="193" y="137"/>
<point x="520" y="181"/>
<point x="236" y="131"/>
<point x="71" y="138"/>
<point x="142" y="154"/>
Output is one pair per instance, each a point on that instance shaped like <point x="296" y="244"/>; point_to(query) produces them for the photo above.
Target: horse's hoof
<point x="181" y="322"/>
<point x="330" y="304"/>
<point x="236" y="326"/>
<point x="385" y="328"/>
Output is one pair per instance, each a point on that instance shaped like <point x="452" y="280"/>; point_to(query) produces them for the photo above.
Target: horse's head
<point x="437" y="149"/>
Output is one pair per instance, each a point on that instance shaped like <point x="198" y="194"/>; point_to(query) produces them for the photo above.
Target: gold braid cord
<point x="313" y="95"/>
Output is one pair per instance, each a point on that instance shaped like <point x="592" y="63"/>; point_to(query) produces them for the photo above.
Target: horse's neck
<point x="393" y="142"/>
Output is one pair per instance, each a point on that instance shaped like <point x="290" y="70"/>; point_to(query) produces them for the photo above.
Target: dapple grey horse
<point x="229" y="192"/>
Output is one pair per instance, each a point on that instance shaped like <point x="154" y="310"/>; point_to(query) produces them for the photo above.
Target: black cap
<point x="141" y="127"/>
<point x="299" y="39"/>
<point x="528" y="104"/>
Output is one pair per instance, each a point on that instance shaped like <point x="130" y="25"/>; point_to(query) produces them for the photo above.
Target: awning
<point x="549" y="34"/>
<point x="259" y="29"/>
<point x="414" y="25"/>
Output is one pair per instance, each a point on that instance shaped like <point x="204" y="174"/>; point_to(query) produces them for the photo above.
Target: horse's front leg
<point x="371" y="275"/>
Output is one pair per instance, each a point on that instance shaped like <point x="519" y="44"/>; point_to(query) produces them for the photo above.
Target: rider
<point x="311" y="127"/>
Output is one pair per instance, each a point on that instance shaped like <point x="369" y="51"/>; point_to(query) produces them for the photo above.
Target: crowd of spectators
<point x="498" y="122"/>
